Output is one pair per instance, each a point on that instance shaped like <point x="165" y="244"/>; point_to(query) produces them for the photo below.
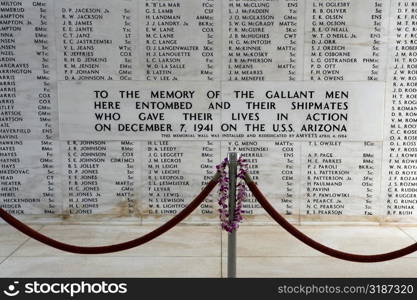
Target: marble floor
<point x="200" y="251"/>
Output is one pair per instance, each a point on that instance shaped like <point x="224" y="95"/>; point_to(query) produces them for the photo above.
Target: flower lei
<point x="226" y="224"/>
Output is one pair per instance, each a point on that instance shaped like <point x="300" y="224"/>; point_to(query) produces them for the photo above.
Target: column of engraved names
<point x="272" y="165"/>
<point x="83" y="160"/>
<point x="341" y="178"/>
<point x="262" y="40"/>
<point x="90" y="189"/>
<point x="344" y="40"/>
<point x="27" y="109"/>
<point x="97" y="42"/>
<point x="126" y="183"/>
<point x="47" y="105"/>
<point x="401" y="111"/>
<point x="177" y="44"/>
<point x="174" y="175"/>
<point x="181" y="41"/>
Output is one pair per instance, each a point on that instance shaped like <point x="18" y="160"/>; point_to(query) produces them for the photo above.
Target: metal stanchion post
<point x="231" y="242"/>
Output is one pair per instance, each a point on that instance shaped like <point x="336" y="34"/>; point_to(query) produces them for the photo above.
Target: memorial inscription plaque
<point x="119" y="110"/>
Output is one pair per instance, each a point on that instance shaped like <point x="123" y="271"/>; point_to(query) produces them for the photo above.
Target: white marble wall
<point x="57" y="58"/>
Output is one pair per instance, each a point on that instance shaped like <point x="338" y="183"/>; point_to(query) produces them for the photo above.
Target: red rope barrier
<point x="117" y="247"/>
<point x="316" y="245"/>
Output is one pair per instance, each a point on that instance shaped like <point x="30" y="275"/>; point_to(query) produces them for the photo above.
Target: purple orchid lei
<point x="227" y="225"/>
